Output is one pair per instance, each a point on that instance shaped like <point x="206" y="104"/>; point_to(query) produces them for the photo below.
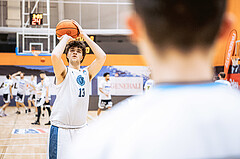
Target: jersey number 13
<point x="81" y="92"/>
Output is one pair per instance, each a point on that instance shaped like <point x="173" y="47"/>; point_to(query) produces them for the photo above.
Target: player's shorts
<point x="32" y="97"/>
<point x="6" y="98"/>
<point x="46" y="104"/>
<point x="42" y="102"/>
<point x="104" y="104"/>
<point x="59" y="140"/>
<point x="20" y="98"/>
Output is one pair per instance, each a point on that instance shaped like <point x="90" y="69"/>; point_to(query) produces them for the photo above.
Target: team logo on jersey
<point x="80" y="80"/>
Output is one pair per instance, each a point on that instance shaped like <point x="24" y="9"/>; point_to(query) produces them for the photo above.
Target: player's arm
<point x="33" y="86"/>
<point x="100" y="55"/>
<point x="101" y="90"/>
<point x="10" y="89"/>
<point x="59" y="68"/>
<point x="2" y="85"/>
<point x="47" y="91"/>
<point x="15" y="74"/>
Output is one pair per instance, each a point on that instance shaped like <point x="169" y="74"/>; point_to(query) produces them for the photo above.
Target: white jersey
<point x="171" y="121"/>
<point x="22" y="85"/>
<point x="46" y="84"/>
<point x="106" y="88"/>
<point x="31" y="89"/>
<point x="6" y="86"/>
<point x="72" y="98"/>
<point x="224" y="82"/>
<point x="39" y="88"/>
<point x="148" y="85"/>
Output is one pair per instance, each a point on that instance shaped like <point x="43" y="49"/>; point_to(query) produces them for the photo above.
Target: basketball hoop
<point x="36" y="52"/>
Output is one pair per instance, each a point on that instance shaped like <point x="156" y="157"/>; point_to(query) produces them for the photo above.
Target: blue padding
<point x="175" y="86"/>
<point x="16" y="50"/>
<point x="53" y="142"/>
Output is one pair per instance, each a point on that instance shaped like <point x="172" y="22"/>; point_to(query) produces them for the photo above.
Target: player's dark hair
<point x="42" y="72"/>
<point x="8" y="76"/>
<point x="78" y="44"/>
<point x="105" y="74"/>
<point x="222" y="74"/>
<point x="183" y="24"/>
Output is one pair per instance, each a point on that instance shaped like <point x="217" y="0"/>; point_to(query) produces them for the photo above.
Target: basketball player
<point x="221" y="80"/>
<point x="32" y="90"/>
<point x="22" y="85"/>
<point x="39" y="102"/>
<point x="105" y="100"/>
<point x="7" y="94"/>
<point x="46" y="94"/>
<point x="69" y="113"/>
<point x="186" y="115"/>
<point x="235" y="64"/>
<point x="44" y="97"/>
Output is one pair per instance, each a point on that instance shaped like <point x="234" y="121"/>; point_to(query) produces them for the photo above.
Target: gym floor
<point x="19" y="139"/>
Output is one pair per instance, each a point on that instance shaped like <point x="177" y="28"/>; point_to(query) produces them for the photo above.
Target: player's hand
<point x="67" y="37"/>
<point x="107" y="95"/>
<point x="81" y="32"/>
<point x="11" y="96"/>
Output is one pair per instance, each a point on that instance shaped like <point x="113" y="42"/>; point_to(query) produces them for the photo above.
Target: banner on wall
<point x="124" y="85"/>
<point x="230" y="51"/>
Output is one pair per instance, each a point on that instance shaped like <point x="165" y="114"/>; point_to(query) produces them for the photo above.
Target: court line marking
<point x="91" y="117"/>
<point x="24" y="138"/>
<point x="14" y="125"/>
<point x="25" y="145"/>
<point x="4" y="149"/>
<point x="16" y="154"/>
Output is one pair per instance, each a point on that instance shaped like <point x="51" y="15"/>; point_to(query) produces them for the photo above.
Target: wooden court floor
<point x="19" y="139"/>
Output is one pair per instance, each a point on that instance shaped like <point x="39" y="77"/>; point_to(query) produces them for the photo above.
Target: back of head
<point x="222" y="74"/>
<point x="42" y="72"/>
<point x="8" y="76"/>
<point x="184" y="24"/>
<point x="105" y="74"/>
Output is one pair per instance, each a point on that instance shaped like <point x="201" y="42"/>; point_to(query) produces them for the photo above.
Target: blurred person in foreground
<point x="186" y="114"/>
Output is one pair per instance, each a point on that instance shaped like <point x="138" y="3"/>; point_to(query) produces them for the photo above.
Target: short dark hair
<point x="8" y="76"/>
<point x="183" y="24"/>
<point x="78" y="44"/>
<point x="42" y="72"/>
<point x="222" y="74"/>
<point x="105" y="74"/>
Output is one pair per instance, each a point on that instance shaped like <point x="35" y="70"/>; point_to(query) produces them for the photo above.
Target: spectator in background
<point x="222" y="80"/>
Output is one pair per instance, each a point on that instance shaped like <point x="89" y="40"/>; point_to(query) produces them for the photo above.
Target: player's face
<point x="41" y="75"/>
<point x="75" y="54"/>
<point x="107" y="77"/>
<point x="10" y="77"/>
<point x="32" y="77"/>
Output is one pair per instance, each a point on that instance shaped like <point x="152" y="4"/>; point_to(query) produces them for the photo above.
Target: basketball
<point x="67" y="27"/>
<point x="42" y="59"/>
